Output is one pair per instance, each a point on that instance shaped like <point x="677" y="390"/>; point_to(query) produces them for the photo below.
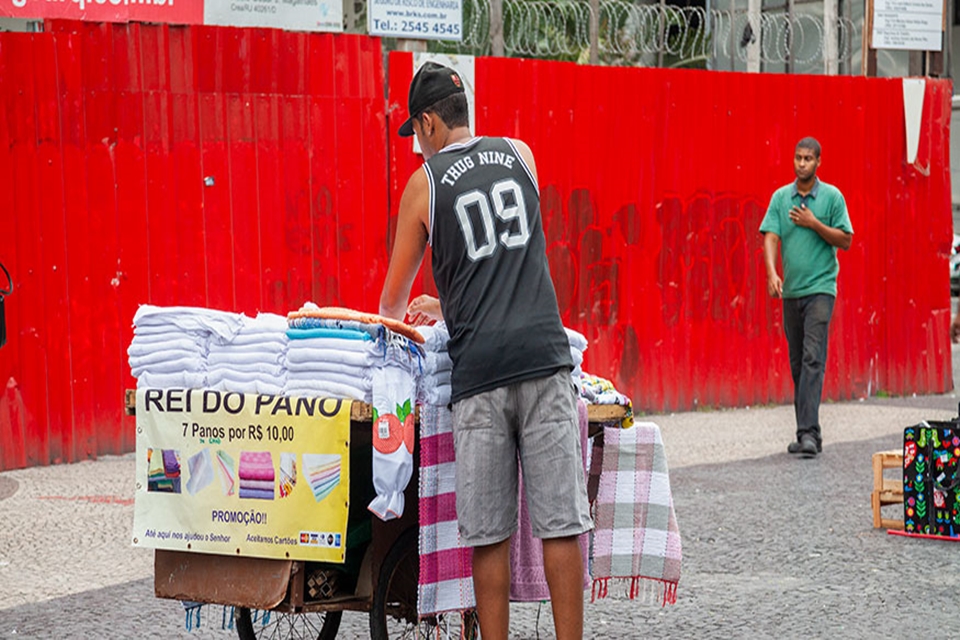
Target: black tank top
<point x="490" y="267"/>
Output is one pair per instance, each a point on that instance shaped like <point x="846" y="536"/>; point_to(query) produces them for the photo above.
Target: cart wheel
<point x="289" y="626"/>
<point x="394" y="611"/>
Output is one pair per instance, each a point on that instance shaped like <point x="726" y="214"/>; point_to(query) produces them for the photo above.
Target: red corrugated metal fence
<point x="252" y="170"/>
<point x="236" y="169"/>
<point x="653" y="186"/>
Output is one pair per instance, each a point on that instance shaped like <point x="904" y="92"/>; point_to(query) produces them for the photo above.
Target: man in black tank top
<point x="476" y="202"/>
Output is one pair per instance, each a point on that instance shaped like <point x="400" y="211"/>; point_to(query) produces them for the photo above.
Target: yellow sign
<point x="242" y="474"/>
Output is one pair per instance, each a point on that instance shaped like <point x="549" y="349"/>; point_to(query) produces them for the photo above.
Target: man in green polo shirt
<point x="808" y="219"/>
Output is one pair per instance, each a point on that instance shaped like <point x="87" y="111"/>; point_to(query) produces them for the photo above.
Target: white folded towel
<point x="159" y="357"/>
<point x="257" y="385"/>
<point x="220" y="323"/>
<point x="264" y="323"/>
<point x="434" y="362"/>
<point x="140" y="346"/>
<point x="245" y="382"/>
<point x="231" y="358"/>
<point x="435" y="337"/>
<point x="435" y="394"/>
<point x="300" y="378"/>
<point x="435" y="379"/>
<point x="181" y="380"/>
<point x="262" y="369"/>
<point x="320" y="368"/>
<point x="350" y="358"/>
<point x="577" y="356"/>
<point x="169" y="331"/>
<point x="176" y="365"/>
<point x="336" y="344"/>
<point x="325" y="390"/>
<point x="577" y="340"/>
<point x="271" y="346"/>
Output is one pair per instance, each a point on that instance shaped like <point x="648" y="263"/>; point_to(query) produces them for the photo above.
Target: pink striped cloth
<point x="446" y="575"/>
<point x="256" y="465"/>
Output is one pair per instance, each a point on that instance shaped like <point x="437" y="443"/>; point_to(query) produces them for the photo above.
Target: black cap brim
<point x="406" y="129"/>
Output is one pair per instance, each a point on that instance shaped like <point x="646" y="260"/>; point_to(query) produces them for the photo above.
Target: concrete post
<point x="594" y="31"/>
<point x="496" y="28"/>
<point x="831" y="40"/>
<point x="753" y="47"/>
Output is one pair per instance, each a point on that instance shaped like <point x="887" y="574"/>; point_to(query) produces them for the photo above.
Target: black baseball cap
<point x="432" y="83"/>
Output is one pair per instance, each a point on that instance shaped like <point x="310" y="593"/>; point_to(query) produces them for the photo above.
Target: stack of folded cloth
<point x="170" y="344"/>
<point x="578" y="344"/>
<point x="597" y="390"/>
<point x="434" y="382"/>
<point x="225" y="469"/>
<point x="256" y="475"/>
<point x="253" y="360"/>
<point x="335" y="363"/>
<point x="433" y="385"/>
<point x="288" y="474"/>
<point x="163" y="470"/>
<point x="333" y="351"/>
<point x="322" y="472"/>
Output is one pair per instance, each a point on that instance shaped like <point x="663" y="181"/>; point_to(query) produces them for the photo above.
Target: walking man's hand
<point x="775" y="286"/>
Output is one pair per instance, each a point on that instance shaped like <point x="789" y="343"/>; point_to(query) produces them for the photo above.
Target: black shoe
<point x="807" y="447"/>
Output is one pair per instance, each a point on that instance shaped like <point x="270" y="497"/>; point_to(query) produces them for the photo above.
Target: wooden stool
<point x="886" y="491"/>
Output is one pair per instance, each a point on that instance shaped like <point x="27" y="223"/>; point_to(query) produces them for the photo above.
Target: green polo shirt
<point x="809" y="262"/>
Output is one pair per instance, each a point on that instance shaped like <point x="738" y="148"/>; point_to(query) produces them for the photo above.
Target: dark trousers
<point x="806" y="321"/>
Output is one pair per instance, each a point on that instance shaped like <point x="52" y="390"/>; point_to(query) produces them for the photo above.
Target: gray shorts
<point x="537" y="421"/>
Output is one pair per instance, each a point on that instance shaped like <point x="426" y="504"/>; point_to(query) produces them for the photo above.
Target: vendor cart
<point x="297" y="599"/>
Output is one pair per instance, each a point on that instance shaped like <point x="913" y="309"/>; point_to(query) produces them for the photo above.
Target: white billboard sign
<point x="292" y="15"/>
<point x="913" y="25"/>
<point x="416" y="19"/>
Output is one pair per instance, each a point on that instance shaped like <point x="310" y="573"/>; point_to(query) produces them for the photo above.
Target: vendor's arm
<point x="408" y="247"/>
<point x="802" y="216"/>
<point x="771" y="245"/>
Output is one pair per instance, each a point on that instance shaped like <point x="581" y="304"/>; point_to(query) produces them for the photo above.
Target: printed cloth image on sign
<point x="322" y="471"/>
<point x="288" y="473"/>
<point x="201" y="471"/>
<point x="163" y="470"/>
<point x="256" y="475"/>
<point x="226" y="470"/>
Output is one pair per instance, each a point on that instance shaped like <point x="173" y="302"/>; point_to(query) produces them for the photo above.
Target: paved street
<point x="774" y="546"/>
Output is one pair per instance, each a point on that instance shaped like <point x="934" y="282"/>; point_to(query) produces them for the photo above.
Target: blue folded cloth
<point x="326" y="332"/>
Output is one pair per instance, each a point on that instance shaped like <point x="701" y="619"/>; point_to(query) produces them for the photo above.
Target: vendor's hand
<point x="802" y="216"/>
<point x="955" y="329"/>
<point x="775" y="286"/>
<point x="423" y="310"/>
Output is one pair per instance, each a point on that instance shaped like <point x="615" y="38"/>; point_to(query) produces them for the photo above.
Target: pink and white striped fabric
<point x="528" y="582"/>
<point x="446" y="575"/>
